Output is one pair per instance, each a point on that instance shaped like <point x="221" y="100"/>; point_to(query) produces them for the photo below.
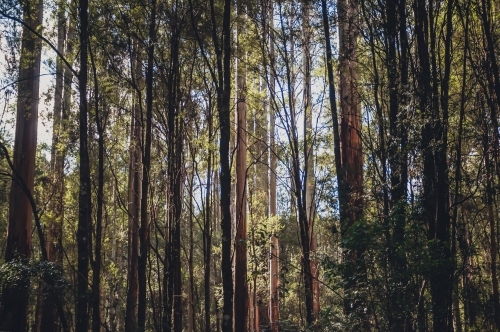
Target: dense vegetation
<point x="264" y="165"/>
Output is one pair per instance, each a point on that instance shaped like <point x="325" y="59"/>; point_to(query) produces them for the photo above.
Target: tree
<point x="134" y="194"/>
<point x="240" y="265"/>
<point x="48" y="321"/>
<point x="14" y="315"/>
<point x="84" y="200"/>
<point x="146" y="168"/>
<point x="351" y="191"/>
<point x="274" y="245"/>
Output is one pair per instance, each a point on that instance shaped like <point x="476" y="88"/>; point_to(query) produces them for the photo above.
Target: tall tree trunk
<point x="223" y="55"/>
<point x="240" y="266"/>
<point x="351" y="191"/>
<point x="96" y="263"/>
<point x="134" y="195"/>
<point x="191" y="303"/>
<point x="146" y="166"/>
<point x="298" y="186"/>
<point x="175" y="267"/>
<point x="172" y="277"/>
<point x="435" y="182"/>
<point x="332" y="98"/>
<point x="458" y="235"/>
<point x="274" y="246"/>
<point x="309" y="185"/>
<point x="15" y="299"/>
<point x="58" y="152"/>
<point x="85" y="207"/>
<point x="486" y="13"/>
<point x="491" y="219"/>
<point x="207" y="229"/>
<point x="397" y="80"/>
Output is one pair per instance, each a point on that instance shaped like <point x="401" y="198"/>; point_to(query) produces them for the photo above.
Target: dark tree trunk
<point x="494" y="72"/>
<point x="96" y="264"/>
<point x="240" y="262"/>
<point x="458" y="231"/>
<point x="332" y="98"/>
<point x="146" y="166"/>
<point x="85" y="213"/>
<point x="172" y="278"/>
<point x="207" y="229"/>
<point x="274" y="247"/>
<point x="134" y="196"/>
<point x="309" y="185"/>
<point x="397" y="80"/>
<point x="191" y="290"/>
<point x="223" y="57"/>
<point x="435" y="182"/>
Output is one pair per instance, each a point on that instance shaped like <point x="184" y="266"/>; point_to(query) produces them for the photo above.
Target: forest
<point x="249" y="165"/>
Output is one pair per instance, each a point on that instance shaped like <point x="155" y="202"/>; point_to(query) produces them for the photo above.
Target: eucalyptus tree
<point x="240" y="240"/>
<point x="84" y="198"/>
<point x="15" y="298"/>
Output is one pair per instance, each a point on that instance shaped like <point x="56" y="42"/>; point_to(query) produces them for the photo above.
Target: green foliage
<point x="19" y="273"/>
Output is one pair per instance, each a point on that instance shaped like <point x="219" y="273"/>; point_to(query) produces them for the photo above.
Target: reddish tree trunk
<point x="15" y="299"/>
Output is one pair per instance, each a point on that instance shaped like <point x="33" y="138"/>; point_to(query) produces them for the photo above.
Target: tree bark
<point x="274" y="246"/>
<point x="223" y="84"/>
<point x="207" y="229"/>
<point x="310" y="185"/>
<point x="191" y="302"/>
<point x="97" y="262"/>
<point x="351" y="190"/>
<point x="14" y="315"/>
<point x="435" y="182"/>
<point x="240" y="266"/>
<point x="146" y="166"/>
<point x="49" y="320"/>
<point x="85" y="208"/>
<point x="134" y="195"/>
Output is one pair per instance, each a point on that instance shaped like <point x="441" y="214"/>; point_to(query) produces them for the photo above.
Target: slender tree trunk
<point x="435" y="182"/>
<point x="491" y="218"/>
<point x="458" y="234"/>
<point x="332" y="97"/>
<point x="240" y="267"/>
<point x="274" y="247"/>
<point x="298" y="186"/>
<point x="134" y="196"/>
<point x="97" y="262"/>
<point x="146" y="166"/>
<point x="191" y="303"/>
<point x="49" y="320"/>
<point x="207" y="229"/>
<point x="223" y="55"/>
<point x="85" y="213"/>
<point x="309" y="185"/>
<point x="486" y="11"/>
<point x="15" y="299"/>
<point x="176" y="243"/>
<point x="399" y="297"/>
<point x="172" y="277"/>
